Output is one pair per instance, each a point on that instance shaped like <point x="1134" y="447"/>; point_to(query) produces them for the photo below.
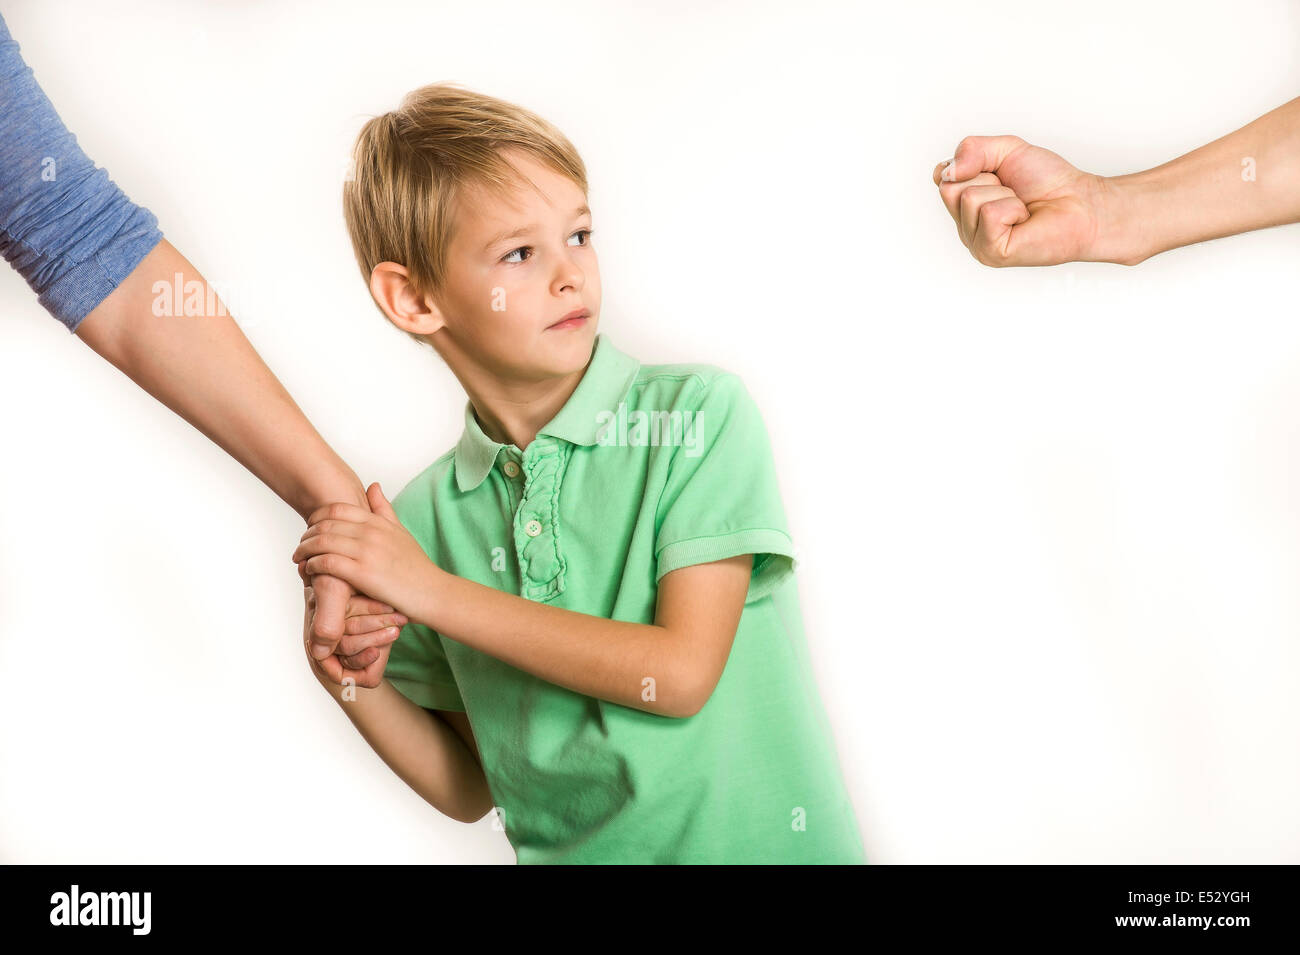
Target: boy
<point x="603" y="641"/>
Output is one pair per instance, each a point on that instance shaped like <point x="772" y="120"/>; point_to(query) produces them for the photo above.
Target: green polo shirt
<point x="644" y="470"/>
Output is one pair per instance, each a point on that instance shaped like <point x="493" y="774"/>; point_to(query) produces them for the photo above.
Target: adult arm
<point x="92" y="256"/>
<point x="206" y="370"/>
<point x="203" y="368"/>
<point x="1019" y="204"/>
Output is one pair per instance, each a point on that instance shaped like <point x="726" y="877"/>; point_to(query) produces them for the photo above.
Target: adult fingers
<point x="358" y="662"/>
<point x="977" y="154"/>
<point x="976" y="227"/>
<point x="372" y="674"/>
<point x="992" y="244"/>
<point x="354" y="643"/>
<point x="328" y="621"/>
<point x="331" y="667"/>
<point x="360" y="605"/>
<point x="951" y="193"/>
<point x="365" y="623"/>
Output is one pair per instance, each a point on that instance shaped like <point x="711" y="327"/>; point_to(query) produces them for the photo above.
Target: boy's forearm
<point x="425" y="752"/>
<point x="203" y="368"/>
<point x="611" y="660"/>
<point x="1246" y="180"/>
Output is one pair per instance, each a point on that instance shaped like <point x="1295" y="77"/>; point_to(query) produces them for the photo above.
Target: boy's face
<point x="505" y="292"/>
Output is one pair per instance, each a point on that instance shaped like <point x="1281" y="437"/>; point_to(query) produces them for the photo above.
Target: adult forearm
<point x="1246" y="180"/>
<point x="424" y="751"/>
<point x="608" y="659"/>
<point x="206" y="370"/>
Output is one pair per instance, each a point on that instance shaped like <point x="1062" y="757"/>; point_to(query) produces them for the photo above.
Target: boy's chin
<point x="568" y="350"/>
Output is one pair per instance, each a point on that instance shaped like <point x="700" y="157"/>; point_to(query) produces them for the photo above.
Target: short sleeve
<point x="67" y="228"/>
<point x="417" y="662"/>
<point x="418" y="668"/>
<point x="721" y="497"/>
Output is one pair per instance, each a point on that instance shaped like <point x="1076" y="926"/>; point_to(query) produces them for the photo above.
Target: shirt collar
<point x="603" y="387"/>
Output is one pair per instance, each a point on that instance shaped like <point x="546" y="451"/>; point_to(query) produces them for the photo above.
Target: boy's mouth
<point x="574" y="319"/>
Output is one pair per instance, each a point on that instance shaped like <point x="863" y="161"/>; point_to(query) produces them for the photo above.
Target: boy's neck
<point x="513" y="412"/>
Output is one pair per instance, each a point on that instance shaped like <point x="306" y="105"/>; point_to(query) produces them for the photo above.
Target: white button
<point x="532" y="528"/>
<point x="511" y="468"/>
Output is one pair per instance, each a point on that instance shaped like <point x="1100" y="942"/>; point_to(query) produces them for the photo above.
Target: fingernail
<point x="320" y="651"/>
<point x="947" y="174"/>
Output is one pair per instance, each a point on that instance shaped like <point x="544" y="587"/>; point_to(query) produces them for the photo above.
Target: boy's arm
<point x="459" y="721"/>
<point x="426" y="752"/>
<point x="683" y="652"/>
<point x="668" y="668"/>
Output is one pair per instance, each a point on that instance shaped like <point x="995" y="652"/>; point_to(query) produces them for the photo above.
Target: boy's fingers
<point x="327" y="544"/>
<point x="379" y="504"/>
<point x="338" y="511"/>
<point x="338" y="528"/>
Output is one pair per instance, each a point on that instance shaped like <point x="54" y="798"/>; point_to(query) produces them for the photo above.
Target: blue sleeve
<point x="64" y="225"/>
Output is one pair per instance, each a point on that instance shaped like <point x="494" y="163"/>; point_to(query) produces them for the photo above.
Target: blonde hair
<point x="411" y="166"/>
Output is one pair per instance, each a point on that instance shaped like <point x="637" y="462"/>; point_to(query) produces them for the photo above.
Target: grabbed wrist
<point x="351" y="493"/>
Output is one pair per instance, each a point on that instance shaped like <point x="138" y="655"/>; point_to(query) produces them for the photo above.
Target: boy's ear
<point x="391" y="287"/>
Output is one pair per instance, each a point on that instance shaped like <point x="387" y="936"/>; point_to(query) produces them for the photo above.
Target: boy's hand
<point x="369" y="630"/>
<point x="1017" y="204"/>
<point x="371" y="550"/>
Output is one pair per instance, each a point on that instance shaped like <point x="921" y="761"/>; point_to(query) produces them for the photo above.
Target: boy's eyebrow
<point x="524" y="230"/>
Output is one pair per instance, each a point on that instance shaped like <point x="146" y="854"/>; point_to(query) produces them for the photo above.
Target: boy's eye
<point x="528" y="248"/>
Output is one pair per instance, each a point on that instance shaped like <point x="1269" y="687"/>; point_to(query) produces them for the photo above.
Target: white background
<point x="1048" y="519"/>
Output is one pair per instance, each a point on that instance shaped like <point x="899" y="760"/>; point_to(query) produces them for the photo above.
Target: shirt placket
<point x="511" y="464"/>
<point x="536" y="527"/>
